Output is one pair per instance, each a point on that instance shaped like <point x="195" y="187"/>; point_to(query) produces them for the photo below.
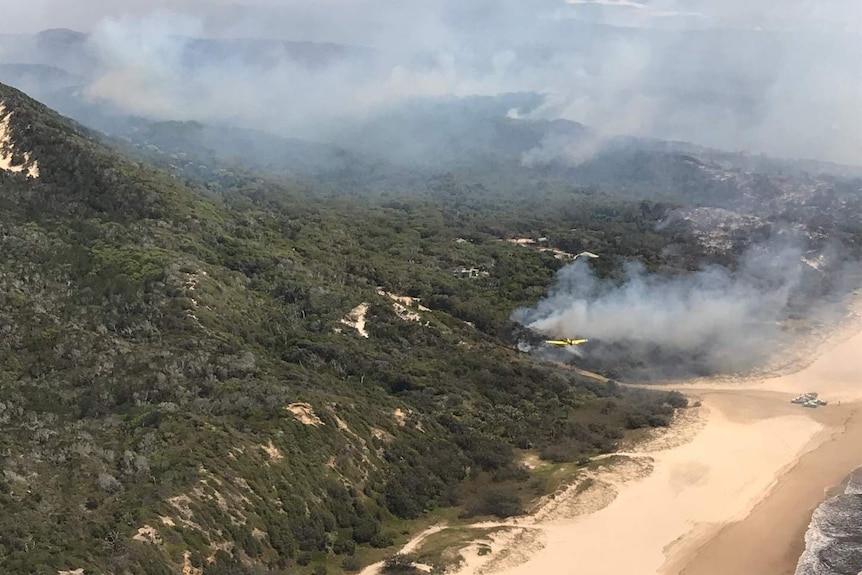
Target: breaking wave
<point x="833" y="543"/>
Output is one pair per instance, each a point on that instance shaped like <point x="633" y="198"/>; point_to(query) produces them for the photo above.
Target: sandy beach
<point x="730" y="490"/>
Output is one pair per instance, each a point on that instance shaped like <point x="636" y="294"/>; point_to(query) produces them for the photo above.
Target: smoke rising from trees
<point x="714" y="320"/>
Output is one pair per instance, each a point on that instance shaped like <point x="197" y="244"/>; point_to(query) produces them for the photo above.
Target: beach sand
<point x="734" y="497"/>
<point x="771" y="538"/>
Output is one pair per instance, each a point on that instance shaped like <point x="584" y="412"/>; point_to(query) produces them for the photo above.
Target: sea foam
<point x="833" y="543"/>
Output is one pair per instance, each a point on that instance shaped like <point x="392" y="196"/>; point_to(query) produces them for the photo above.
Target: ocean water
<point x="833" y="543"/>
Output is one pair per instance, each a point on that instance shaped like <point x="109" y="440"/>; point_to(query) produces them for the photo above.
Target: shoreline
<point x="771" y="538"/>
<point x="738" y="494"/>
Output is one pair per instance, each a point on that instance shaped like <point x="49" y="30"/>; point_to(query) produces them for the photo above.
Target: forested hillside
<point x="186" y="383"/>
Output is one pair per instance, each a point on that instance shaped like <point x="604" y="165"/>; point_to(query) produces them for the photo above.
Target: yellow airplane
<point x="566" y="342"/>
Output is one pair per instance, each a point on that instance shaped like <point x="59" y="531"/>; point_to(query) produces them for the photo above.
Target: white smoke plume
<point x="714" y="320"/>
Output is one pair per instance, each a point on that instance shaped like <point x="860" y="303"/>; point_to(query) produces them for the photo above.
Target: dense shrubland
<point x="155" y="332"/>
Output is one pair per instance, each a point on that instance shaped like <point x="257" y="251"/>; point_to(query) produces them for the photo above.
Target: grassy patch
<point x="443" y="549"/>
<point x="552" y="477"/>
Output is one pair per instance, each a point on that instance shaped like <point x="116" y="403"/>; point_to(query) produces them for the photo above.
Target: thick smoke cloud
<point x="710" y="321"/>
<point x="778" y="77"/>
<point x="155" y="67"/>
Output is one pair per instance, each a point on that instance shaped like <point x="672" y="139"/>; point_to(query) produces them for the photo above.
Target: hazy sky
<point x="778" y="76"/>
<point x="351" y="20"/>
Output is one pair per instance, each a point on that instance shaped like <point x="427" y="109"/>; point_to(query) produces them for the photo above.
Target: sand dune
<point x="7" y="149"/>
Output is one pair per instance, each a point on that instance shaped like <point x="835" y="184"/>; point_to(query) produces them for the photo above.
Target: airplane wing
<point x="565" y="342"/>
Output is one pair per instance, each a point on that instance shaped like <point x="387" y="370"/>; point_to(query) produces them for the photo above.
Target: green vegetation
<point x="159" y="336"/>
<point x="443" y="549"/>
<point x="399" y="565"/>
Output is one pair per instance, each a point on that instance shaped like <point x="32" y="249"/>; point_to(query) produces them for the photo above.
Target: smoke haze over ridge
<point x="781" y="78"/>
<point x="712" y="321"/>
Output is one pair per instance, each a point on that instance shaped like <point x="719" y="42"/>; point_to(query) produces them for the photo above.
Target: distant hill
<point x="57" y="48"/>
<point x="427" y="134"/>
<point x="46" y="77"/>
<point x="73" y="52"/>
